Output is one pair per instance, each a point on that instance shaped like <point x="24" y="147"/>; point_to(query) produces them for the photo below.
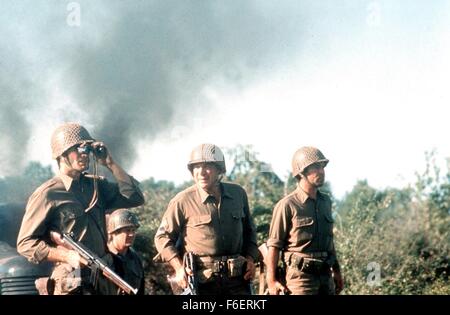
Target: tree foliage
<point x="396" y="241"/>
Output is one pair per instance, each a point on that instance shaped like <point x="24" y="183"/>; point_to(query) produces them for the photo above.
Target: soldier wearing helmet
<point x="75" y="202"/>
<point x="210" y="219"/>
<point x="122" y="225"/>
<point x="302" y="229"/>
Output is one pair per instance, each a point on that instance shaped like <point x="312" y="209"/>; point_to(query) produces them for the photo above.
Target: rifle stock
<point x="96" y="263"/>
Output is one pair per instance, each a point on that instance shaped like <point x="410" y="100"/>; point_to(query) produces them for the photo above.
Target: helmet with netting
<point x="122" y="218"/>
<point x="306" y="156"/>
<point x="66" y="136"/>
<point x="207" y="153"/>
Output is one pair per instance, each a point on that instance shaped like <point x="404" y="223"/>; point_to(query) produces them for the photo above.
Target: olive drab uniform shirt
<point x="193" y="219"/>
<point x="129" y="267"/>
<point x="302" y="224"/>
<point x="59" y="205"/>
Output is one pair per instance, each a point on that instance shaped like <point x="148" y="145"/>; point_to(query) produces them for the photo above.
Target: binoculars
<point x="98" y="151"/>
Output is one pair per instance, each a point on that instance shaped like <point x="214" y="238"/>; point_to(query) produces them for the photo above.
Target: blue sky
<point x="365" y="81"/>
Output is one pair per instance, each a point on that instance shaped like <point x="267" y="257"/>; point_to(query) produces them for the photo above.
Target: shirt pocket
<point x="199" y="220"/>
<point x="328" y="223"/>
<point x="303" y="228"/>
<point x="238" y="214"/>
<point x="200" y="227"/>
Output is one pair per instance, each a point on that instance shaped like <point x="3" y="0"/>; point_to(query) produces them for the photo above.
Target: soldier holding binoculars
<point x="76" y="202"/>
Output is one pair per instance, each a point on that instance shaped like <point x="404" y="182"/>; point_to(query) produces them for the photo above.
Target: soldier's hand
<point x="73" y="258"/>
<point x="338" y="282"/>
<point x="56" y="238"/>
<point x="180" y="276"/>
<point x="276" y="288"/>
<point x="251" y="269"/>
<point x="105" y="160"/>
<point x="66" y="254"/>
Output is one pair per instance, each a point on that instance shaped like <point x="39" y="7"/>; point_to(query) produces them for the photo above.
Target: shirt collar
<point x="204" y="195"/>
<point x="225" y="191"/>
<point x="303" y="196"/>
<point x="68" y="181"/>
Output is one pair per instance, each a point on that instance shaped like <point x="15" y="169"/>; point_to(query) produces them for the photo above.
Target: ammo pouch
<point x="310" y="265"/>
<point x="45" y="286"/>
<point x="66" y="279"/>
<point x="230" y="266"/>
<point x="236" y="266"/>
<point x="313" y="266"/>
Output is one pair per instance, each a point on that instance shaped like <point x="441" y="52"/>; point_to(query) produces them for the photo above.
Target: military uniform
<point x="60" y="205"/>
<point x="303" y="229"/>
<point x="128" y="263"/>
<point x="220" y="237"/>
<point x="129" y="267"/>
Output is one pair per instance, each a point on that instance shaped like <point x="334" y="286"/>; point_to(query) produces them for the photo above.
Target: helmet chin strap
<point x="94" y="198"/>
<point x="95" y="193"/>
<point x="66" y="160"/>
<point x="67" y="165"/>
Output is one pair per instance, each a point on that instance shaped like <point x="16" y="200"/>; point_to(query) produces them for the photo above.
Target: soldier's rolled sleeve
<point x="169" y="232"/>
<point x="279" y="226"/>
<point x="130" y="187"/>
<point x="250" y="247"/>
<point x="30" y="241"/>
<point x="168" y="253"/>
<point x="41" y="252"/>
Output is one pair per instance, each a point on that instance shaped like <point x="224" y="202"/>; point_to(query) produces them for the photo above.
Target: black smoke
<point x="14" y="100"/>
<point x="131" y="65"/>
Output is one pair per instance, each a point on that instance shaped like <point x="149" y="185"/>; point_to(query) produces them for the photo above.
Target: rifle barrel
<point x="93" y="259"/>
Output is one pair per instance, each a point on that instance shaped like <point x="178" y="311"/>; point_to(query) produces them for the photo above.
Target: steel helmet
<point x="122" y="218"/>
<point x="304" y="157"/>
<point x="66" y="136"/>
<point x="207" y="153"/>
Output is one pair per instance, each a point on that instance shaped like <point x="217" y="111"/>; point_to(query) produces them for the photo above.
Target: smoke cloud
<point x="130" y="66"/>
<point x="14" y="99"/>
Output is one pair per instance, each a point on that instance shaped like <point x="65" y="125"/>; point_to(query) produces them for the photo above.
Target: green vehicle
<point x="17" y="274"/>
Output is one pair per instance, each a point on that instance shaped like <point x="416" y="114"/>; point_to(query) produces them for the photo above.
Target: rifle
<point x="95" y="263"/>
<point x="188" y="261"/>
<point x="191" y="289"/>
<point x="280" y="272"/>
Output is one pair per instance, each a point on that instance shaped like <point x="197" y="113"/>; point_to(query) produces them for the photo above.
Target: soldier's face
<point x="78" y="159"/>
<point x="206" y="175"/>
<point x="315" y="174"/>
<point x="123" y="238"/>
